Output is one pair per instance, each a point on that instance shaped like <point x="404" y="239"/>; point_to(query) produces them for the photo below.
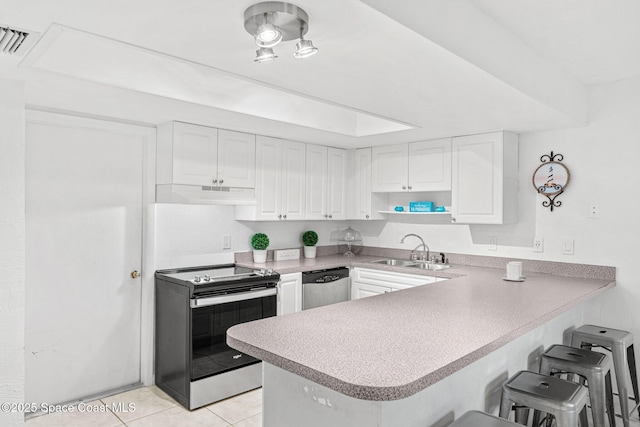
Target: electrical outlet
<point x="226" y="241"/>
<point x="594" y="210"/>
<point x="538" y="244"/>
<point x="567" y="247"/>
<point x="493" y="243"/>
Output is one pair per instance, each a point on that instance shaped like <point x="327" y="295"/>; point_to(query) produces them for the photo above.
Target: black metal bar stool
<point x="590" y="365"/>
<point x="620" y="343"/>
<point x="565" y="400"/>
<point x="481" y="419"/>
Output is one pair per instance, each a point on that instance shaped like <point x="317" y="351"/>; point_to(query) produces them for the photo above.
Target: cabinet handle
<point x="330" y="216"/>
<point x="279" y="216"/>
<point x="404" y="187"/>
<point x="215" y="181"/>
<point x="326" y="216"/>
<point x="366" y="216"/>
<point x="284" y="216"/>
<point x="453" y="220"/>
<point x="221" y="181"/>
<point x="408" y="187"/>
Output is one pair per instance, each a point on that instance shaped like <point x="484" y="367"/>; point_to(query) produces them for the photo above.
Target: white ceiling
<point x="444" y="67"/>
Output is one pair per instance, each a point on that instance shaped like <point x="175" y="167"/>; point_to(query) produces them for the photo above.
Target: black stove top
<point x="218" y="279"/>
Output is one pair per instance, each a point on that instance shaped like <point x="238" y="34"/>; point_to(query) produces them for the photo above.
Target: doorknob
<point x="135" y="274"/>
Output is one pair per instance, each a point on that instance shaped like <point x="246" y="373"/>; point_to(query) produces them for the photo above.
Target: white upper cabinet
<point x="236" y="159"/>
<point x="326" y="183"/>
<point x="363" y="203"/>
<point x="389" y="168"/>
<point x="280" y="188"/>
<point x="316" y="182"/>
<point x="485" y="178"/>
<point x="337" y="183"/>
<point x="198" y="155"/>
<point x="430" y="165"/>
<point x="417" y="166"/>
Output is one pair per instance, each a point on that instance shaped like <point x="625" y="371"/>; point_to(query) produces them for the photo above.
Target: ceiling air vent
<point x="14" y="41"/>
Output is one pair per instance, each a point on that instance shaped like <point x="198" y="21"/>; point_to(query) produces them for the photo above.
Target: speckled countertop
<point x="393" y="345"/>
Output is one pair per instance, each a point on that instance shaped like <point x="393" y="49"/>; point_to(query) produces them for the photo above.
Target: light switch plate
<point x="286" y="254"/>
<point x="567" y="247"/>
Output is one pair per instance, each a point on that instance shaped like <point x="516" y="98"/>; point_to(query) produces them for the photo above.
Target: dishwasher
<point x="324" y="287"/>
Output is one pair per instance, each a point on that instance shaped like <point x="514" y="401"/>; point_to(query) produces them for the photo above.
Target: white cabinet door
<point x="326" y="183"/>
<point x="389" y="168"/>
<point x="485" y="178"/>
<point x="289" y="293"/>
<point x="336" y="183"/>
<point x="316" y="182"/>
<point x="195" y="154"/>
<point x="367" y="281"/>
<point x="362" y="290"/>
<point x="363" y="203"/>
<point x="293" y="185"/>
<point x="268" y="180"/>
<point x="189" y="154"/>
<point x="280" y="166"/>
<point x="236" y="159"/>
<point x="430" y="165"/>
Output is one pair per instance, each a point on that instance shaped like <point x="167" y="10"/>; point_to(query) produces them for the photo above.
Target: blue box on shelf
<point x="420" y="206"/>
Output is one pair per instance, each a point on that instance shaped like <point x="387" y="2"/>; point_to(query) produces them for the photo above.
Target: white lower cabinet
<point x="367" y="282"/>
<point x="361" y="290"/>
<point x="289" y="293"/>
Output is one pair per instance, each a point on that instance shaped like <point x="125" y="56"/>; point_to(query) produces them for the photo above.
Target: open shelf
<point x="415" y="213"/>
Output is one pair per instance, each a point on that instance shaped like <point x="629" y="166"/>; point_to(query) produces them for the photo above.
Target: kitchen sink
<point x="429" y="266"/>
<point x="395" y="262"/>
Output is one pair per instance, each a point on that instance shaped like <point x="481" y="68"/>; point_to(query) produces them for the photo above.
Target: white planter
<point x="309" y="251"/>
<point x="260" y="256"/>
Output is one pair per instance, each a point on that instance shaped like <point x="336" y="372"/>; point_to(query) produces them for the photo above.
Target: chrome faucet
<point x="425" y="248"/>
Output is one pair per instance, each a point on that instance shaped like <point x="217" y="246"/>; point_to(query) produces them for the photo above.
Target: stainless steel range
<point x="194" y="308"/>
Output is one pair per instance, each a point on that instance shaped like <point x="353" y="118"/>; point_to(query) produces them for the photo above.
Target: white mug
<point x="514" y="270"/>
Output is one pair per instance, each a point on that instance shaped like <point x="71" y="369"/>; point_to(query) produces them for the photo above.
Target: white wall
<point x="191" y="235"/>
<point x="12" y="249"/>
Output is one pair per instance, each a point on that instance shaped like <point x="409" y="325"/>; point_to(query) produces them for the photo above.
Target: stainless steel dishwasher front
<point x="323" y="287"/>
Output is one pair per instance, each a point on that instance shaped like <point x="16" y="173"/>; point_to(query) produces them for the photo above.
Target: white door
<point x="85" y="190"/>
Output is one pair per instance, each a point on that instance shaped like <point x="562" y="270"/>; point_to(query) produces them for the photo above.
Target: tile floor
<point x="153" y="408"/>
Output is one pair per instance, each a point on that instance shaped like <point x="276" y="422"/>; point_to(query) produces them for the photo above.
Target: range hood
<point x="202" y="195"/>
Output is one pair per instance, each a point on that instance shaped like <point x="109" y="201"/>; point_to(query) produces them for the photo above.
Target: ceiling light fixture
<point x="265" y="54"/>
<point x="272" y="22"/>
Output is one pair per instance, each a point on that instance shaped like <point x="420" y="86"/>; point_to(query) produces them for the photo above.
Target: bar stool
<point x="620" y="343"/>
<point x="481" y="419"/>
<point x="565" y="400"/>
<point x="590" y="365"/>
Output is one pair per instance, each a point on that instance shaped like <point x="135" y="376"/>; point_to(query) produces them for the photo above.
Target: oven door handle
<point x="223" y="299"/>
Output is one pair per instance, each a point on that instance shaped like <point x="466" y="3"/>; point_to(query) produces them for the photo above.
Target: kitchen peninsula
<point x="416" y="357"/>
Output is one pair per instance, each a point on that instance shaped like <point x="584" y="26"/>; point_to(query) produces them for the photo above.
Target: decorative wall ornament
<point x="551" y="179"/>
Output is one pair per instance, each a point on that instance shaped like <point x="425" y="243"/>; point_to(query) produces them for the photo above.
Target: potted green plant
<point x="259" y="243"/>
<point x="309" y="240"/>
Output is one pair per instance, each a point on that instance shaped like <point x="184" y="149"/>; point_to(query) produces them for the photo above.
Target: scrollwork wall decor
<point x="551" y="179"/>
